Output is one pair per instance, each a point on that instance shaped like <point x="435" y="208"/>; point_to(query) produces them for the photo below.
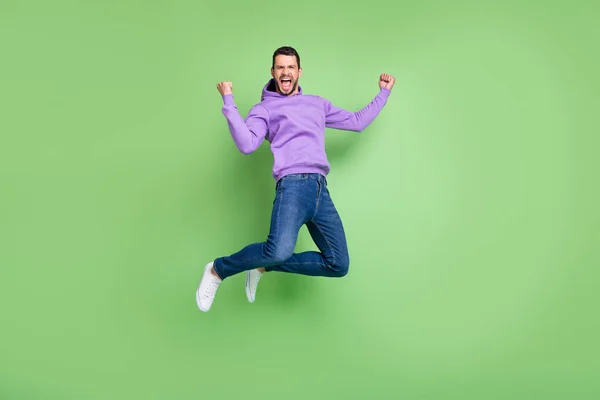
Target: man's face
<point x="286" y="74"/>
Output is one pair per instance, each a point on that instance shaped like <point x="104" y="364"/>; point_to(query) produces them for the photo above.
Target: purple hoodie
<point x="295" y="127"/>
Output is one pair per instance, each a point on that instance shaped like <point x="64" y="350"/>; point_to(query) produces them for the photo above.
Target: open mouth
<point x="286" y="84"/>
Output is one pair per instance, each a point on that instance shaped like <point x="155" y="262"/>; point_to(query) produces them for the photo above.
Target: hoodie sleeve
<point x="247" y="134"/>
<point x="338" y="118"/>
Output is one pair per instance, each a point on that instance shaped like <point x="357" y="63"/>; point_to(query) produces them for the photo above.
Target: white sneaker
<point x="207" y="288"/>
<point x="252" y="278"/>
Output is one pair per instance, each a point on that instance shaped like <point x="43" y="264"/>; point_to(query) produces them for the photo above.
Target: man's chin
<point x="286" y="92"/>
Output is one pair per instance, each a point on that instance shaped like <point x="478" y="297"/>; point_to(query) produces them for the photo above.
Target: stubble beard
<point x="292" y="89"/>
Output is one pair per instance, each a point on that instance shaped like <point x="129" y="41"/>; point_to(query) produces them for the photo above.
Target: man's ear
<point x="272" y="72"/>
<point x="299" y="72"/>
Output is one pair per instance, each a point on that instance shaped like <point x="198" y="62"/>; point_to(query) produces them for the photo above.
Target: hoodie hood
<point x="270" y="91"/>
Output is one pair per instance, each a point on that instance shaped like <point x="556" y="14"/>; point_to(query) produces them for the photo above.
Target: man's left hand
<point x="386" y="81"/>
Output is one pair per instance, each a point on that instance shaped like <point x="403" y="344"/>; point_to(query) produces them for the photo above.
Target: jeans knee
<point x="341" y="267"/>
<point x="277" y="254"/>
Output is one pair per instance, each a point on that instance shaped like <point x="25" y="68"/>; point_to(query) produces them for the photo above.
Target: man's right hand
<point x="225" y="88"/>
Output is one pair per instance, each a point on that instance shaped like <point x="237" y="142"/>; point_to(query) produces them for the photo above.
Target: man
<point x="294" y="123"/>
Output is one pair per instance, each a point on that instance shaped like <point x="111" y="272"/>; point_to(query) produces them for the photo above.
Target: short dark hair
<point x="286" y="51"/>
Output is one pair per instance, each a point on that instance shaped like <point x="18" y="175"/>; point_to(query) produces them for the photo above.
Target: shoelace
<point x="211" y="289"/>
<point x="257" y="275"/>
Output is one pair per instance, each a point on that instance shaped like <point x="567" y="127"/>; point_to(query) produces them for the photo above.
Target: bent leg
<point x="327" y="231"/>
<point x="294" y="204"/>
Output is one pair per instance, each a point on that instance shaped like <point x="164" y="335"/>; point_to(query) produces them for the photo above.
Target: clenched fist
<point x="386" y="81"/>
<point x="225" y="88"/>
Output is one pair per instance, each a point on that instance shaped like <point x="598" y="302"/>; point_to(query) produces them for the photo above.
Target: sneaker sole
<point x="198" y="290"/>
<point x="248" y="295"/>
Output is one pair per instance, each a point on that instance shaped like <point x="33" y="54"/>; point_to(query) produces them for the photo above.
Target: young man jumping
<point x="294" y="123"/>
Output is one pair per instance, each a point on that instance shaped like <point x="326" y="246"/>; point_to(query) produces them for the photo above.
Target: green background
<point x="470" y="204"/>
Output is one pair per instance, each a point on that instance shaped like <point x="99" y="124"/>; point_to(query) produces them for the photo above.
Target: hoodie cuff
<point x="228" y="100"/>
<point x="385" y="93"/>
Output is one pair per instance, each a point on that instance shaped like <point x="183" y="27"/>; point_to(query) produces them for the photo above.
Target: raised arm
<point x="247" y="134"/>
<point x="339" y="118"/>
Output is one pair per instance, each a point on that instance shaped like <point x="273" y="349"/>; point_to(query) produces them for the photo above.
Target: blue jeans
<point x="299" y="199"/>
